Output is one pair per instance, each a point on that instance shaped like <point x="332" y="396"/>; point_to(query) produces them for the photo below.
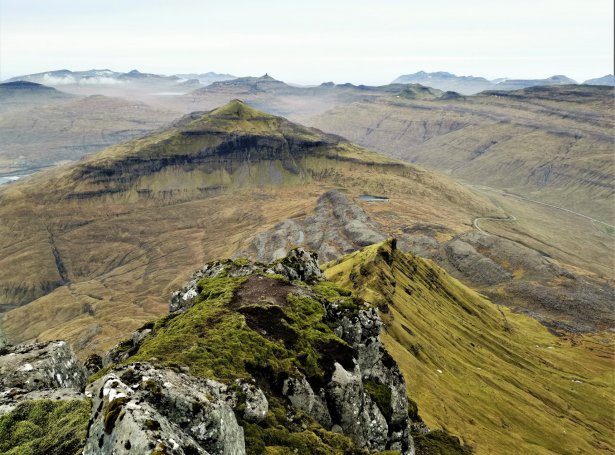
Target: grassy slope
<point x="123" y="252"/>
<point x="499" y="380"/>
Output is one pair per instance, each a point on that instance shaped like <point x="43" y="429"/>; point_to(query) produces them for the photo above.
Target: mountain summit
<point x="229" y="147"/>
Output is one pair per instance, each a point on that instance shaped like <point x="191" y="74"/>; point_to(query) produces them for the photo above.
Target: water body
<point x="373" y="198"/>
<point x="11" y="178"/>
<point x="14" y="176"/>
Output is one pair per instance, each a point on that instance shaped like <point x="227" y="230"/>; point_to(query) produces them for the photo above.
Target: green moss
<point x="381" y="394"/>
<point x="45" y="427"/>
<point x="279" y="434"/>
<point x="112" y="413"/>
<point x="440" y="442"/>
<point x="241" y="262"/>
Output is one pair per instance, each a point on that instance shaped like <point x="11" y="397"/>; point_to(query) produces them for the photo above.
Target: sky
<point x="309" y="42"/>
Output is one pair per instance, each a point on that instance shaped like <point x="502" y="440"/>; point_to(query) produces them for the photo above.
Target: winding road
<point x="478" y="220"/>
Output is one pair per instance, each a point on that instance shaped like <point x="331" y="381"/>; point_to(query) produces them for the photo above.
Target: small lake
<point x="8" y="178"/>
<point x="373" y="198"/>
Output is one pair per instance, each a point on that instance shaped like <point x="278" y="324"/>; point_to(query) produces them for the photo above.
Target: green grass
<point x="45" y="427"/>
<point x="497" y="380"/>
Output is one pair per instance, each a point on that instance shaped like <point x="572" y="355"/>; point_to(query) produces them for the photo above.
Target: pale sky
<point x="309" y="42"/>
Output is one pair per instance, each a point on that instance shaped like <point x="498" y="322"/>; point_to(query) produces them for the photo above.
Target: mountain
<point x="442" y="80"/>
<point x="207" y="78"/>
<point x="516" y="84"/>
<point x="469" y="85"/>
<point x="498" y="380"/>
<point x="39" y="133"/>
<point x="297" y="103"/>
<point x="15" y="94"/>
<point x="609" y="79"/>
<point x="91" y="250"/>
<point x="89" y="77"/>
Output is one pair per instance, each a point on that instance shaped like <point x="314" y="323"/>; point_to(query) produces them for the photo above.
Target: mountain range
<point x="467" y="307"/>
<point x="469" y="85"/>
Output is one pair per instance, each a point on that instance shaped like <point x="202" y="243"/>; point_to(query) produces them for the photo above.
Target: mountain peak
<point x="237" y="110"/>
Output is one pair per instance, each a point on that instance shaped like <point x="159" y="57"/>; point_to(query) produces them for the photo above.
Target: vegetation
<point x="45" y="427"/>
<point x="232" y="333"/>
<point x="282" y="434"/>
<point x="225" y="337"/>
<point x="498" y="380"/>
<point x="439" y="442"/>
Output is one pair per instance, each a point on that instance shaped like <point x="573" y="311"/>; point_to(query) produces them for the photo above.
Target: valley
<point x="507" y="343"/>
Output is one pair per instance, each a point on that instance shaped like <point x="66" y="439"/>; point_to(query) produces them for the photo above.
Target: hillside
<point x="91" y="251"/>
<point x="498" y="380"/>
<point x="553" y="144"/>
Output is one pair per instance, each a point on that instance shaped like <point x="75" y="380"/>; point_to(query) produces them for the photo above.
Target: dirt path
<point x="477" y="221"/>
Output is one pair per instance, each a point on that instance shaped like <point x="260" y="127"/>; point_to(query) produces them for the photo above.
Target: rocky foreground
<point x="253" y="358"/>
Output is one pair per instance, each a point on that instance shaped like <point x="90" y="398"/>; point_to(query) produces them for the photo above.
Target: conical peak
<point x="237" y="110"/>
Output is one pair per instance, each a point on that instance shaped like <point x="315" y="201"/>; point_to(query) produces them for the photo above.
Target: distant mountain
<point x="44" y="129"/>
<point x="609" y="79"/>
<point x="207" y="78"/>
<point x="442" y="80"/>
<point x="469" y="85"/>
<point x="517" y="84"/>
<point x="92" y="77"/>
<point x="21" y="92"/>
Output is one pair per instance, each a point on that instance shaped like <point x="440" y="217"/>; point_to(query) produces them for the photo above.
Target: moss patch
<point x="45" y="427"/>
<point x="232" y="331"/>
<point x="440" y="443"/>
<point x="381" y="394"/>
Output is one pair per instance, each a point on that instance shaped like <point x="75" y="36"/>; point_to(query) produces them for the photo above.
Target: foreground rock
<point x="38" y="371"/>
<point x="254" y="358"/>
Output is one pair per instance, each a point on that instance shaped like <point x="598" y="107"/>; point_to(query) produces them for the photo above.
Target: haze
<point x="309" y="42"/>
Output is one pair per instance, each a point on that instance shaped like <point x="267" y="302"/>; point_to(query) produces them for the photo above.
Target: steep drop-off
<point x="497" y="379"/>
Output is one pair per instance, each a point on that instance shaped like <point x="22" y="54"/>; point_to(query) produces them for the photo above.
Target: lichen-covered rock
<point x="40" y="370"/>
<point x="256" y="404"/>
<point x="355" y="412"/>
<point x="140" y="409"/>
<point x="299" y="264"/>
<point x="301" y="395"/>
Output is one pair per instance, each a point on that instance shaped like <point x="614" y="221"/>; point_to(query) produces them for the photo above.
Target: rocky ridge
<point x="318" y="379"/>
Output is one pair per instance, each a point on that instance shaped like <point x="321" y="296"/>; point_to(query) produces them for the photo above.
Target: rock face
<point x="337" y="227"/>
<point x="37" y="371"/>
<point x="142" y="409"/>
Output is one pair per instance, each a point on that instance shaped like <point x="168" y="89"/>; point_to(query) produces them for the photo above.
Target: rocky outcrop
<point x="142" y="409"/>
<point x="305" y="363"/>
<point x="37" y="371"/>
<point x="299" y="264"/>
<point x="337" y="227"/>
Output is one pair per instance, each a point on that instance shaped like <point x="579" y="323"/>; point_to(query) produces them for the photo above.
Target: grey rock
<point x="48" y="369"/>
<point x="302" y="397"/>
<point x="137" y="408"/>
<point x="357" y="414"/>
<point x="256" y="406"/>
<point x="338" y="226"/>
